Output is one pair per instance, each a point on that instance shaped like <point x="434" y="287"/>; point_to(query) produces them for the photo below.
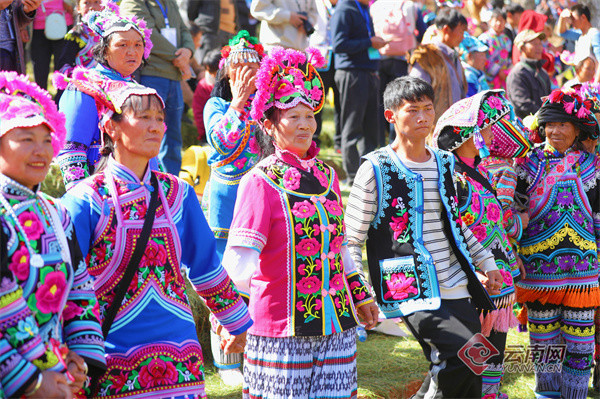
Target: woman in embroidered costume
<point x="231" y="134"/>
<point x="465" y="129"/>
<point x="50" y="336"/>
<point x="124" y="43"/>
<point x="287" y="247"/>
<point x="558" y="185"/>
<point x="152" y="346"/>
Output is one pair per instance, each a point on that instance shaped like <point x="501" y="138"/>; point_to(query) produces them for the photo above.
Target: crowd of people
<point x="469" y="143"/>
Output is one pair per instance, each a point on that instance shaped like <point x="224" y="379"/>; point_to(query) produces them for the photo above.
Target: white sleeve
<point x="241" y="263"/>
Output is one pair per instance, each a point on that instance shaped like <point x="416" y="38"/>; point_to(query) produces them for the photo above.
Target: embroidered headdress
<point x="24" y="104"/>
<point x="510" y="138"/>
<point x="450" y="3"/>
<point x="109" y="20"/>
<point x="110" y="95"/>
<point x="281" y="81"/>
<point x="567" y="105"/>
<point x="591" y="91"/>
<point x="242" y="48"/>
<point x="466" y="118"/>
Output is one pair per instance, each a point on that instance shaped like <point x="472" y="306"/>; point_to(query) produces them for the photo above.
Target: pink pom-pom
<point x="569" y="107"/>
<point x="59" y="80"/>
<point x="316" y="58"/>
<point x="582" y="112"/>
<point x="556" y="96"/>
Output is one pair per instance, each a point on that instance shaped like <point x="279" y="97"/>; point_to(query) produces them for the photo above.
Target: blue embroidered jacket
<point x="401" y="269"/>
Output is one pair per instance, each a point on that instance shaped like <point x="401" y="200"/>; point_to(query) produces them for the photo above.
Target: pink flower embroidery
<point x="337" y="282"/>
<point x="479" y="232"/>
<point x="31" y="224"/>
<point x="158" y="373"/>
<point x="71" y="310"/>
<point x="253" y="145"/>
<point x="291" y="179"/>
<point x="308" y="247"/>
<point x="239" y="163"/>
<point x="493" y="212"/>
<point x="316" y="93"/>
<point x="154" y="255"/>
<point x="309" y="285"/>
<point x="75" y="173"/>
<point x="399" y="224"/>
<point x="399" y="287"/>
<point x="333" y="208"/>
<point x="494" y="102"/>
<point x="322" y="177"/>
<point x="318" y="304"/>
<point x="300" y="306"/>
<point x="503" y="55"/>
<point x="508" y="280"/>
<point x="476" y="206"/>
<point x="303" y="210"/>
<point x="336" y="244"/>
<point x="284" y="89"/>
<point x="50" y="294"/>
<point x="301" y="270"/>
<point x="480" y="118"/>
<point x="19" y="264"/>
<point x="298" y="229"/>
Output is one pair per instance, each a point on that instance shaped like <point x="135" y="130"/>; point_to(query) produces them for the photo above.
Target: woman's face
<point x="85" y="6"/>
<point x="137" y="136"/>
<point x="488" y="136"/>
<point x="294" y="130"/>
<point x="25" y="154"/>
<point x="561" y="135"/>
<point x="125" y="51"/>
<point x="252" y="67"/>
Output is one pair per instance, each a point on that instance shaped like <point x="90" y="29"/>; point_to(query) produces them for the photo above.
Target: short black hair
<point x="514" y="8"/>
<point x="449" y="17"/>
<point x="497" y="12"/>
<point x="406" y="88"/>
<point x="582" y="10"/>
<point x="211" y="60"/>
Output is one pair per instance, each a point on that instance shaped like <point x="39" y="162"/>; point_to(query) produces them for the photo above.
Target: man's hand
<point x="494" y="282"/>
<point x="182" y="62"/>
<point x="297" y="20"/>
<point x="368" y="314"/>
<point x="31" y="5"/>
<point x="377" y="42"/>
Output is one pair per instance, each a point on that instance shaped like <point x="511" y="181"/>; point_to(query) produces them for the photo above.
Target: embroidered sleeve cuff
<point x="358" y="290"/>
<point x="74" y="167"/>
<point x="246" y="238"/>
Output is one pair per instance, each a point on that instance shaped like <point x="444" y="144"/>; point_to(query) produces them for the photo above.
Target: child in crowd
<point x="498" y="62"/>
<point x="420" y="254"/>
<point x="474" y="57"/>
<point x="203" y="89"/>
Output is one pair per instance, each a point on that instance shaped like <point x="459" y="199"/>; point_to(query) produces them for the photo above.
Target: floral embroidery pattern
<point x="400" y="224"/>
<point x="400" y="286"/>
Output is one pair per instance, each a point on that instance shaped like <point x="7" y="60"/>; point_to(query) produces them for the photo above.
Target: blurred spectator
<point x="513" y="16"/>
<point x="285" y="22"/>
<point x="474" y="56"/>
<point x="585" y="69"/>
<point x="322" y="39"/>
<point x="43" y="48"/>
<point x="203" y="90"/>
<point x="169" y="63"/>
<point x="528" y="82"/>
<point x="579" y="18"/>
<point x="356" y="62"/>
<point x="498" y="63"/>
<point x="396" y="22"/>
<point x="529" y="20"/>
<point x="219" y="21"/>
<point x="14" y="17"/>
<point x="438" y="63"/>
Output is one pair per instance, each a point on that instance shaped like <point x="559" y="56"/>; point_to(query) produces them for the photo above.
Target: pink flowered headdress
<point x="109" y="20"/>
<point x="567" y="105"/>
<point x="242" y="48"/>
<point x="24" y="104"/>
<point x="281" y="81"/>
<point x="110" y="95"/>
<point x="591" y="91"/>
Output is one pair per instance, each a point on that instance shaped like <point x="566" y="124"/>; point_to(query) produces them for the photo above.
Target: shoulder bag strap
<point x="134" y="262"/>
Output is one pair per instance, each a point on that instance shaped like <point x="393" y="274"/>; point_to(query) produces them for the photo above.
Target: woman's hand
<point x="54" y="386"/>
<point x="521" y="267"/>
<point x="493" y="284"/>
<point x="78" y="369"/>
<point x="232" y="343"/>
<point x="242" y="86"/>
<point x="524" y="219"/>
<point x="368" y="314"/>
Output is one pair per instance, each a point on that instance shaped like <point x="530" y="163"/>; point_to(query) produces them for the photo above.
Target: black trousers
<point x="8" y="60"/>
<point x="42" y="51"/>
<point x="328" y="78"/>
<point x="442" y="333"/>
<point x="389" y="69"/>
<point x="359" y="103"/>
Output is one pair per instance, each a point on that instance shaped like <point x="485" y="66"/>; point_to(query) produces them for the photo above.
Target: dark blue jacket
<point x="351" y="39"/>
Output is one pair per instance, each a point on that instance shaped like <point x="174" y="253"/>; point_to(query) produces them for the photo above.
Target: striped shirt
<point x="362" y="208"/>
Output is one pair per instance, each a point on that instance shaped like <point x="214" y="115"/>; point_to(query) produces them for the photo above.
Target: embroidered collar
<point x="111" y="73"/>
<point x="125" y="174"/>
<point x="294" y="160"/>
<point x="14" y="189"/>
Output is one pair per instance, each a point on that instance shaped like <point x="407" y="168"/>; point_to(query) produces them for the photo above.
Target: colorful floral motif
<point x="400" y="286"/>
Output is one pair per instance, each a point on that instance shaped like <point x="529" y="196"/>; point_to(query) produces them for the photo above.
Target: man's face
<point x="533" y="49"/>
<point x="456" y="35"/>
<point x="578" y="20"/>
<point x="413" y="119"/>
